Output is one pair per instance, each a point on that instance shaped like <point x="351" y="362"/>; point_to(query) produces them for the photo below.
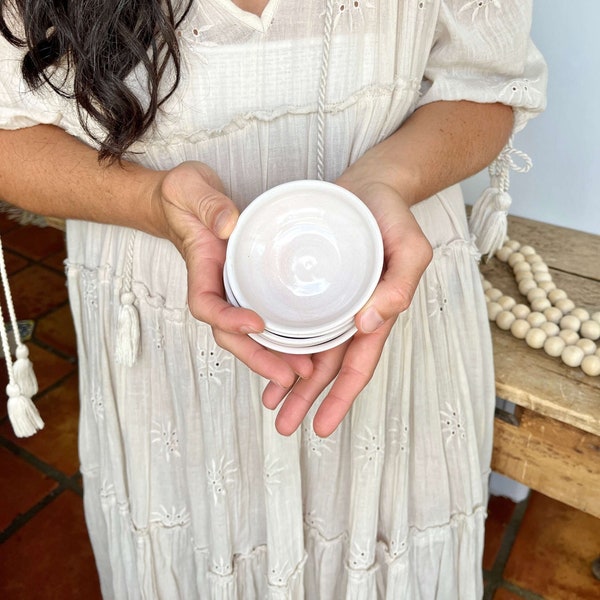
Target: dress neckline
<point x="248" y="18"/>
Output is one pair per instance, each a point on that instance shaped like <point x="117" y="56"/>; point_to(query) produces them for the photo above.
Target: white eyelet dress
<point x="190" y="493"/>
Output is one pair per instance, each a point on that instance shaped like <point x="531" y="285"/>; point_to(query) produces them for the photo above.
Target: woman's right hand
<point x="192" y="211"/>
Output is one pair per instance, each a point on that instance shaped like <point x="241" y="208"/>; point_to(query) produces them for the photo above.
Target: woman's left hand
<point x="350" y="366"/>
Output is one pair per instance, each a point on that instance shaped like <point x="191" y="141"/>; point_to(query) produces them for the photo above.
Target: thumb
<point x="195" y="187"/>
<point x="405" y="266"/>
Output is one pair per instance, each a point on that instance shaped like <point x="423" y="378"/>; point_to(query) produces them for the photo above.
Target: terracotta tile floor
<point x="537" y="549"/>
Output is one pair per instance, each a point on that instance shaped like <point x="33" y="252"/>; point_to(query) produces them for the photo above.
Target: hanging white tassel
<point x="489" y="217"/>
<point x="128" y="321"/>
<point x="22" y="412"/>
<point x="128" y="331"/>
<point x="489" y="220"/>
<point x="22" y="384"/>
<point x="23" y="372"/>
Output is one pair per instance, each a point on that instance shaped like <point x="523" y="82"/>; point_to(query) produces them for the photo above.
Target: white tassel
<point x="128" y="331"/>
<point x="22" y="412"/>
<point x="23" y="372"/>
<point x="489" y="217"/>
<point x="22" y="384"/>
<point x="488" y="222"/>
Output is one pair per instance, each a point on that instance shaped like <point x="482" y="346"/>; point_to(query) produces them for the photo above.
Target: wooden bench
<point x="552" y="441"/>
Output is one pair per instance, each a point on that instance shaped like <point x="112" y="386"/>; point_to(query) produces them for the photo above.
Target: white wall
<point x="563" y="187"/>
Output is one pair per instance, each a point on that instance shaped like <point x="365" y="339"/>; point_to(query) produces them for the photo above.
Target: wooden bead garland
<point x="551" y="322"/>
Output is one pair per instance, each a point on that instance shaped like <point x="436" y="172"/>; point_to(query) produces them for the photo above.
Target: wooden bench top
<point x="530" y="378"/>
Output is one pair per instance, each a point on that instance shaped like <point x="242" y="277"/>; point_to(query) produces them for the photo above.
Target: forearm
<point x="47" y="171"/>
<point x="442" y="143"/>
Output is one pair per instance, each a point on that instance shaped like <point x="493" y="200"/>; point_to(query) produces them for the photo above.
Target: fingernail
<point x="223" y="223"/>
<point x="370" y="320"/>
<point x="249" y="329"/>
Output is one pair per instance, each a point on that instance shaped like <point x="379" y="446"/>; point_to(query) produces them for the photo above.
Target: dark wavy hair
<point x="99" y="43"/>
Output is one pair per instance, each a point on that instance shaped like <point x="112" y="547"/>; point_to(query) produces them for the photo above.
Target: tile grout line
<point x="40" y="465"/>
<point x="65" y="483"/>
<point x="49" y="347"/>
<point x="495" y="574"/>
<point x="23" y="518"/>
<point x="525" y="594"/>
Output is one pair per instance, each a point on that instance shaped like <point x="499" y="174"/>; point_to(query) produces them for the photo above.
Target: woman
<point x="192" y="488"/>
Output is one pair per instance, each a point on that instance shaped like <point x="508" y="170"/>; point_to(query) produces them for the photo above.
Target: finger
<point x="407" y="255"/>
<point x="303" y="395"/>
<point x="273" y="394"/>
<point x="358" y="366"/>
<point x="260" y="360"/>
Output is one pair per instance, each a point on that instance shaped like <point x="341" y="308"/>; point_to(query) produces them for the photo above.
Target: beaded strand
<point x="551" y="321"/>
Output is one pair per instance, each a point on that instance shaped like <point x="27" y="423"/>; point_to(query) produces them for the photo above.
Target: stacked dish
<point x="306" y="256"/>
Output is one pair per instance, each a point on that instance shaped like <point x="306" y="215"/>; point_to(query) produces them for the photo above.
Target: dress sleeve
<point x="20" y="106"/>
<point x="482" y="52"/>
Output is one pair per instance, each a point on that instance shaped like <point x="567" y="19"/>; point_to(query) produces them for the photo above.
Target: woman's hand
<point x="192" y="211"/>
<point x="351" y="366"/>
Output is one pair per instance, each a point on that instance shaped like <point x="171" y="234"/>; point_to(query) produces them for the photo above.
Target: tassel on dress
<point x="489" y="218"/>
<point x="128" y="321"/>
<point x="128" y="331"/>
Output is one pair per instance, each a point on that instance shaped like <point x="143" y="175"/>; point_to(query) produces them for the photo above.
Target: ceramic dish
<point x="305" y="256"/>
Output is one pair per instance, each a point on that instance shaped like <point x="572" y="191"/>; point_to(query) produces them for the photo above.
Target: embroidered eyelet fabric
<point x="190" y="493"/>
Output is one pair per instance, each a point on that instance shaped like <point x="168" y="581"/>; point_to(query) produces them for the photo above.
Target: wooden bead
<point x="555" y="295"/>
<point x="550" y="329"/>
<point x="493" y="294"/>
<point x="521" y="311"/>
<point x="553" y="314"/>
<point x="526" y="285"/>
<point x="514" y="258"/>
<point x="554" y="346"/>
<point x="535" y="338"/>
<point x="596" y="317"/>
<point x="506" y="302"/>
<point x="590" y="329"/>
<point x="572" y="356"/>
<point x="571" y="337"/>
<point x="535" y="319"/>
<point x="519" y="328"/>
<point x="486" y="284"/>
<point x="566" y="305"/>
<point x="505" y="319"/>
<point x="526" y="250"/>
<point x="503" y="253"/>
<point x="587" y="346"/>
<point x="590" y="365"/>
<point x="534" y="258"/>
<point x="512" y="244"/>
<point x="538" y="267"/>
<point x="493" y="310"/>
<point x="542" y="277"/>
<point x="547" y="286"/>
<point x="522" y="266"/>
<point x="540" y="304"/>
<point x="570" y="322"/>
<point x="535" y="293"/>
<point x="580" y="313"/>
<point x="521" y="275"/>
